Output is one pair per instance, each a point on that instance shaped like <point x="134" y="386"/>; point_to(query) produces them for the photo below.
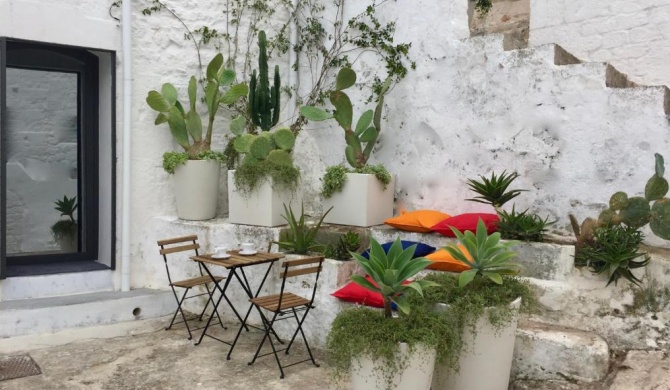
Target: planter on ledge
<point x="362" y="202"/>
<point x="196" y="187"/>
<point x="264" y="206"/>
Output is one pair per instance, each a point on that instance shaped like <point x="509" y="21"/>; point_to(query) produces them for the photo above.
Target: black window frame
<point x="17" y="53"/>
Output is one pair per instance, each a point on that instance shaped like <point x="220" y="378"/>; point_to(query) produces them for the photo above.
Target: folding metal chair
<point x="288" y="303"/>
<point x="185" y="244"/>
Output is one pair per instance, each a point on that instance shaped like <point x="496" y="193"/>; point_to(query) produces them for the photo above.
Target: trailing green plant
<point x="362" y="331"/>
<point x="390" y="270"/>
<point x="264" y="100"/>
<point x="347" y="242"/>
<point x="522" y="225"/>
<point x="171" y="160"/>
<point x="336" y="177"/>
<point x="65" y="228"/>
<point x="493" y="190"/>
<point x="483" y="6"/>
<point x="185" y="123"/>
<point x="267" y="155"/>
<point x="301" y="237"/>
<point x="491" y="258"/>
<point x="634" y="212"/>
<point x="614" y="251"/>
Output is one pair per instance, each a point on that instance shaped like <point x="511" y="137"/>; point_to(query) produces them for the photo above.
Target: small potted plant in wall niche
<point x="195" y="169"/>
<point x="265" y="177"/>
<point x="65" y="230"/>
<point x="362" y="196"/>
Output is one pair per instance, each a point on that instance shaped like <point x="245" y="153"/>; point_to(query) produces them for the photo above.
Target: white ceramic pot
<point x="263" y="207"/>
<point x="362" y="202"/>
<point x="196" y="187"/>
<point x="486" y="359"/>
<point x="69" y="244"/>
<point x="368" y="374"/>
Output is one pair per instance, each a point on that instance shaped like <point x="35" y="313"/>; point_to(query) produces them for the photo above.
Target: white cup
<point x="248" y="247"/>
<point x="220" y="251"/>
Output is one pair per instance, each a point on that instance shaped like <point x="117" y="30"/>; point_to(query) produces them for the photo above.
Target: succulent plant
<point x="494" y="191"/>
<point x="362" y="138"/>
<point x="264" y="100"/>
<point x="187" y="126"/>
<point x="274" y="147"/>
<point x="633" y="212"/>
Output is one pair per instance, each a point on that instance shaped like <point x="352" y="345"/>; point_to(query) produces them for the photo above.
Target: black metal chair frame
<point x="278" y="314"/>
<point x="210" y="293"/>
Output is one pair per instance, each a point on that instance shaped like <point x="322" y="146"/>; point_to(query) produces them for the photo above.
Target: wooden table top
<point x="237" y="260"/>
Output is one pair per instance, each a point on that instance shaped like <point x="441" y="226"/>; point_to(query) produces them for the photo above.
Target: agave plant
<point x="65" y="227"/>
<point x="301" y="238"/>
<point x="491" y="258"/>
<point x="494" y="191"/>
<point x="522" y="225"/>
<point x="390" y="271"/>
<point x="614" y="250"/>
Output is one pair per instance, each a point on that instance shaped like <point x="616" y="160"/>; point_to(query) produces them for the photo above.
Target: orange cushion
<point x="419" y="221"/>
<point x="442" y="260"/>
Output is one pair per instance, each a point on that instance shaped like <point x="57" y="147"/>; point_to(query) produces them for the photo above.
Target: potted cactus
<point x="196" y="169"/>
<point x="265" y="178"/>
<point x="363" y="194"/>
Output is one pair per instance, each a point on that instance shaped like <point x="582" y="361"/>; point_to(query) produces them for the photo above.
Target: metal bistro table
<point x="236" y="264"/>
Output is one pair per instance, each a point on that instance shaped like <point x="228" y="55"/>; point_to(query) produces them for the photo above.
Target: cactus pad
<point x="280" y="157"/>
<point x="660" y="218"/>
<point x="260" y="147"/>
<point x="249" y="160"/>
<point x="656" y="188"/>
<point x="284" y="139"/>
<point x="637" y="213"/>
<point x="346" y="77"/>
<point x="618" y="201"/>
<point x="242" y="143"/>
<point x="608" y="217"/>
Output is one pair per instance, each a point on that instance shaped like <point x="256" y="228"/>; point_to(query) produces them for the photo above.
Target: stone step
<point x="548" y="352"/>
<point x="533" y="56"/>
<point x="43" y="286"/>
<point x="47" y="315"/>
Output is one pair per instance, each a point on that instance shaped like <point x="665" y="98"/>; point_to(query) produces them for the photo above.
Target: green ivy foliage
<point x="172" y="160"/>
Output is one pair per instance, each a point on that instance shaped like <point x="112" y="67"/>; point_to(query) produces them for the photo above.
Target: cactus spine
<point x="264" y="100"/>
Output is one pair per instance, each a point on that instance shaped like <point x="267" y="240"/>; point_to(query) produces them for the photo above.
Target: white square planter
<point x="263" y="207"/>
<point x="362" y="202"/>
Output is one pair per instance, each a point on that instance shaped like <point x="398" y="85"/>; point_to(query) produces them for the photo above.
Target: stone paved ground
<point x="164" y="360"/>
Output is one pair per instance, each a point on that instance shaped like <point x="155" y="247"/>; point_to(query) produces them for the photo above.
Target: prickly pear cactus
<point x="273" y="147"/>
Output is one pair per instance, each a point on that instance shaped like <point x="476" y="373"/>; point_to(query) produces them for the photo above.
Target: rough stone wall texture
<point x="632" y="35"/>
<point x="509" y="17"/>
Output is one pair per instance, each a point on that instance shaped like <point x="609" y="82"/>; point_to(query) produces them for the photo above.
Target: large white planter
<point x="368" y="374"/>
<point x="362" y="202"/>
<point x="486" y="360"/>
<point x="196" y="186"/>
<point x="263" y="207"/>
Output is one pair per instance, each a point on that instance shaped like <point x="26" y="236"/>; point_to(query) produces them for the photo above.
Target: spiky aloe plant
<point x="65" y="227"/>
<point x="185" y="123"/>
<point x="522" y="225"/>
<point x="264" y="100"/>
<point x="493" y="190"/>
<point x="301" y="238"/>
<point x="390" y="270"/>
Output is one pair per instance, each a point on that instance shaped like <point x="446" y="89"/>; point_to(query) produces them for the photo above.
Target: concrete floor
<point x="162" y="360"/>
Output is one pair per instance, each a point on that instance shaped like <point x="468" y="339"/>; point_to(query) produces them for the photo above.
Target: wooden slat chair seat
<point x="189" y="244"/>
<point x="288" y="303"/>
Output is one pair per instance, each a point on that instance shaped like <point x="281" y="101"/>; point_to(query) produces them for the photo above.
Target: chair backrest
<point x="176" y="245"/>
<point x="299" y="267"/>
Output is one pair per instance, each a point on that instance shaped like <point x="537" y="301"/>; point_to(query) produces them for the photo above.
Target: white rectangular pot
<point x="362" y="202"/>
<point x="262" y="207"/>
<point x="415" y="370"/>
<point x="196" y="187"/>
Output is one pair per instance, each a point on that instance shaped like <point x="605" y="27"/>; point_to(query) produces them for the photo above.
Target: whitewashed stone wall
<point x="633" y="35"/>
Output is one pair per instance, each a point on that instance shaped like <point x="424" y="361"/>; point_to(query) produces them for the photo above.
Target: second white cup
<point x="248" y="247"/>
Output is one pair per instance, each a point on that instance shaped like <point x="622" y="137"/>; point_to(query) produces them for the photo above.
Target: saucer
<point x="247" y="253"/>
<point x="223" y="256"/>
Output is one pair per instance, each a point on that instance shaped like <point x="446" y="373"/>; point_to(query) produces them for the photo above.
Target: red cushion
<point x="355" y="293"/>
<point x="466" y="222"/>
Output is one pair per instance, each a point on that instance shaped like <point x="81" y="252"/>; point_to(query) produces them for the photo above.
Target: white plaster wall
<point x="633" y="35"/>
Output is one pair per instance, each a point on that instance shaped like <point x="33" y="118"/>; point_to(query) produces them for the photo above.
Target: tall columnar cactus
<point x="264" y="101"/>
<point x="186" y="126"/>
<point x="361" y="139"/>
<point x="635" y="211"/>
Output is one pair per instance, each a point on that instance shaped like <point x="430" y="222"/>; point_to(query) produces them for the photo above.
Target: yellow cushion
<point x="417" y="221"/>
<point x="442" y="260"/>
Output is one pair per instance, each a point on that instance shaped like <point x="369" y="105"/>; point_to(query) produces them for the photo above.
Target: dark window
<point x="49" y="153"/>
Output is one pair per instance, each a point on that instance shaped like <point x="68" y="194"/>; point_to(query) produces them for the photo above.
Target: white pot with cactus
<point x="265" y="178"/>
<point x="196" y="170"/>
<point x="363" y="194"/>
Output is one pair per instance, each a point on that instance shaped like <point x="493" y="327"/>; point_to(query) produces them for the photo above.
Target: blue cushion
<point x="420" y="251"/>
